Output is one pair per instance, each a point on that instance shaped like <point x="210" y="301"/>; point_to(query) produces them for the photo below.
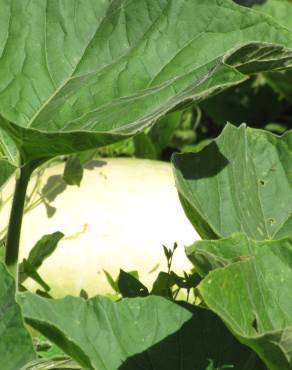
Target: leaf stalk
<point x="15" y="221"/>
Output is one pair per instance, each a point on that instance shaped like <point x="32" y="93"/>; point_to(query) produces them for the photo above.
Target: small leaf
<point x="162" y="285"/>
<point x="83" y="294"/>
<point x="167" y="252"/>
<point x="144" y="147"/>
<point x="42" y="250"/>
<point x="28" y="270"/>
<point x="73" y="171"/>
<point x="130" y="287"/>
<point x="187" y="282"/>
<point x="111" y="281"/>
<point x="162" y="132"/>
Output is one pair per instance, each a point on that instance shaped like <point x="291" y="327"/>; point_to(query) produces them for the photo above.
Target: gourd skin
<point x="120" y="216"/>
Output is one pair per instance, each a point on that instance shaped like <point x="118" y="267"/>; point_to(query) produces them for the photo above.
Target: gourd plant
<point x="76" y="75"/>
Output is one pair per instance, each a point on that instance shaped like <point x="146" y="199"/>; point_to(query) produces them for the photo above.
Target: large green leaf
<point x="138" y="333"/>
<point x="79" y="74"/>
<point x="241" y="182"/>
<point x="16" y="347"/>
<point x="280" y="10"/>
<point x="253" y="297"/>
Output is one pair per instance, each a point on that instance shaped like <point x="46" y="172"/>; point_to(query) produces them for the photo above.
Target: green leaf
<point x="8" y="149"/>
<point x="16" y="347"/>
<point x="42" y="250"/>
<point x="139" y="333"/>
<point x="69" y="85"/>
<point x="208" y="255"/>
<point x="27" y="270"/>
<point x="188" y="281"/>
<point x="130" y="287"/>
<point x="112" y="282"/>
<point x="162" y="132"/>
<point x="73" y="171"/>
<point x="281" y="11"/>
<point x="144" y="147"/>
<point x="6" y="170"/>
<point x="253" y="297"/>
<point x="241" y="182"/>
<point x="162" y="285"/>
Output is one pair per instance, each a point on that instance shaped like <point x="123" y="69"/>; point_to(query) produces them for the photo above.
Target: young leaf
<point x="75" y="92"/>
<point x="187" y="282"/>
<point x="162" y="132"/>
<point x="73" y="171"/>
<point x="42" y="250"/>
<point x="241" y="182"/>
<point x="253" y="297"/>
<point x="162" y="285"/>
<point x="16" y="348"/>
<point x="28" y="270"/>
<point x="112" y="282"/>
<point x="131" y="287"/>
<point x="105" y="335"/>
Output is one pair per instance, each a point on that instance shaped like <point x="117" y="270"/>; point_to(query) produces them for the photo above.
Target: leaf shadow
<point x="201" y="343"/>
<point x="206" y="163"/>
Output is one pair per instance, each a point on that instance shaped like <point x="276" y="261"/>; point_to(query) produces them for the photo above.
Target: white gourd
<point x="120" y="216"/>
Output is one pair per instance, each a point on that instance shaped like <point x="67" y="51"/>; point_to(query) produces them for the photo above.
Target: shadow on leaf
<point x="202" y="343"/>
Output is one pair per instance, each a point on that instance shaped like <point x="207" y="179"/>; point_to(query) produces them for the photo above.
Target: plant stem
<point x="15" y="221"/>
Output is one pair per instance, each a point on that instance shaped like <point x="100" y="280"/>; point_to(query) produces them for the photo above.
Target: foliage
<point x="229" y="185"/>
<point x="78" y="75"/>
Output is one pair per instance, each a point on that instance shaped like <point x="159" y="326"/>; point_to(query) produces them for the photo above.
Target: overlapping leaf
<point x="16" y="347"/>
<point x="281" y="11"/>
<point x="241" y="182"/>
<point x="68" y="84"/>
<point x="253" y="295"/>
<point x="148" y="333"/>
<point x="6" y="170"/>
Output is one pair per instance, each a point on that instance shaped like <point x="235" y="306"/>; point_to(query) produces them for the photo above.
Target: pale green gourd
<point x="122" y="214"/>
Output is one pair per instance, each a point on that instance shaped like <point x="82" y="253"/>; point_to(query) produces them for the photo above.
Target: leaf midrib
<point x="71" y="77"/>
